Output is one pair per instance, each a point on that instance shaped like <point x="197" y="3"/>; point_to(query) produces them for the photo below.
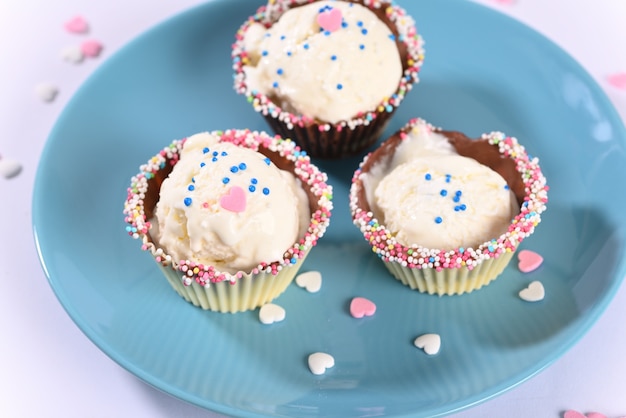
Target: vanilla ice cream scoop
<point x="228" y="206"/>
<point x="427" y="194"/>
<point x="328" y="60"/>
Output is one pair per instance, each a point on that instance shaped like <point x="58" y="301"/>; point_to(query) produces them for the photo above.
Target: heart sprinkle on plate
<point x="360" y="307"/>
<point x="533" y="293"/>
<point x="319" y="362"/>
<point x="430" y="343"/>
<point x="528" y="261"/>
<point x="271" y="313"/>
<point x="310" y="280"/>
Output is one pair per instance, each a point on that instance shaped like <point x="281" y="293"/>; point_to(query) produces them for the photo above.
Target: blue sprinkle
<point x="253" y="180"/>
<point x="361" y="46"/>
<point x="364" y="31"/>
<point x="225" y="180"/>
<point x="456" y="199"/>
<point x="288" y="53"/>
<point x="193" y="179"/>
<point x="491" y="248"/>
<point x="463" y="207"/>
<point x="243" y="166"/>
<point x="359" y="23"/>
<point x="282" y="37"/>
<point x="275" y="84"/>
<point x="191" y="187"/>
<point x="279" y="71"/>
<point x="326" y="32"/>
<point x="443" y="192"/>
<point x="457" y="208"/>
<point x="448" y="177"/>
<point x="215" y="153"/>
<point x="344" y="24"/>
<point x="202" y="164"/>
<point x="389" y="108"/>
<point x="234" y="169"/>
<point x="506" y="187"/>
<point x="428" y="176"/>
<point x="461" y="250"/>
<point x="333" y="57"/>
<point x="205" y="150"/>
<point x="264" y="53"/>
<point x="339" y="86"/>
<point x="392" y="37"/>
<point x="266" y="191"/>
<point x="267" y="160"/>
<point x="458" y="193"/>
<point x="294" y="260"/>
<point x="431" y="259"/>
<point x="214" y="159"/>
<point x="252" y="188"/>
<point x="187" y="201"/>
<point x="438" y="220"/>
<point x="305" y="46"/>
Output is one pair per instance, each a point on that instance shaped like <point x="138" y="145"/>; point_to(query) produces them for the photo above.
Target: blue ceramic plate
<point x="483" y="72"/>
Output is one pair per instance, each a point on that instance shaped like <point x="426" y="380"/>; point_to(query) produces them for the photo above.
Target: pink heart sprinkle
<point x="528" y="261"/>
<point x="505" y="2"/>
<point x="595" y="415"/>
<point x="234" y="200"/>
<point x="77" y="25"/>
<point x="330" y="19"/>
<point x="573" y="414"/>
<point x="360" y="307"/>
<point x="617" y="80"/>
<point x="91" y="48"/>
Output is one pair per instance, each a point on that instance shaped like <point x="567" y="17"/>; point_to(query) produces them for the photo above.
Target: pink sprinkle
<point x="91" y="48"/>
<point x="617" y="80"/>
<point x="77" y="25"/>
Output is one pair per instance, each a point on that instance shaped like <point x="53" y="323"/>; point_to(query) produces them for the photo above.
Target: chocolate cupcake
<point x="328" y="74"/>
<point x="446" y="212"/>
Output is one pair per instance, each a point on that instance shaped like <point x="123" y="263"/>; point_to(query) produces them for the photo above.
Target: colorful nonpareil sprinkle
<point x="138" y="225"/>
<point x="385" y="245"/>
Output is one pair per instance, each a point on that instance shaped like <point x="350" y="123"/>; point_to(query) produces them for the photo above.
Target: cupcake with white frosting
<point x="445" y="212"/>
<point x="328" y="74"/>
<point x="229" y="216"/>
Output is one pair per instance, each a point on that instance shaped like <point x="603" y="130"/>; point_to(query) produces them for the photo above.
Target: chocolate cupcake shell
<point x="346" y="138"/>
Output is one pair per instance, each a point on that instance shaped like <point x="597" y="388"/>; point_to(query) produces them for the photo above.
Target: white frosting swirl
<point x="194" y="223"/>
<point x="331" y="76"/>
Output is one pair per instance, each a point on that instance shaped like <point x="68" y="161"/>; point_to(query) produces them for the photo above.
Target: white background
<point x="50" y="369"/>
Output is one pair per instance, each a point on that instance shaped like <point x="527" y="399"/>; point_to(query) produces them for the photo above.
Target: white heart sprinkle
<point x="533" y="293"/>
<point x="311" y="281"/>
<point x="430" y="343"/>
<point x="46" y="92"/>
<point x="72" y="54"/>
<point x="9" y="168"/>
<point x="270" y="313"/>
<point x="319" y="362"/>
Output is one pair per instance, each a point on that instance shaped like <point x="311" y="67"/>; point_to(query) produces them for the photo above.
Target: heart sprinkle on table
<point x="72" y="54"/>
<point x="360" y="307"/>
<point x="47" y="92"/>
<point x="271" y="313"/>
<point x="575" y="414"/>
<point x="617" y="80"/>
<point x="528" y="261"/>
<point x="91" y="48"/>
<point x="430" y="343"/>
<point x="310" y="280"/>
<point x="9" y="168"/>
<point x="77" y="24"/>
<point x="533" y="293"/>
<point x="319" y="362"/>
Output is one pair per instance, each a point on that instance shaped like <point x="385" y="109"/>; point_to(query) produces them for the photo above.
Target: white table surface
<point x="50" y="369"/>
